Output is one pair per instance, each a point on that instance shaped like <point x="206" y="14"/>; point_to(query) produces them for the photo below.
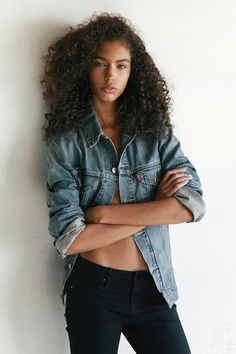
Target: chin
<point x="107" y="98"/>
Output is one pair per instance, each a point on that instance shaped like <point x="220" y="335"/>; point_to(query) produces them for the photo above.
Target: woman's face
<point x="110" y="67"/>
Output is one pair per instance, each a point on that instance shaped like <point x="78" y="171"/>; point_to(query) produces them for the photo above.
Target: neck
<point x="107" y="113"/>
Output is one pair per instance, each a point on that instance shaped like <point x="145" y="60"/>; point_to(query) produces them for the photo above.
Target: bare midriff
<point x="123" y="254"/>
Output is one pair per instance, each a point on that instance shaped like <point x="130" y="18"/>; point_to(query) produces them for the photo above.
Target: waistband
<point x="86" y="265"/>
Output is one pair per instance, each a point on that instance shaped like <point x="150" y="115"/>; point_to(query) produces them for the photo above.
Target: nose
<point x="109" y="75"/>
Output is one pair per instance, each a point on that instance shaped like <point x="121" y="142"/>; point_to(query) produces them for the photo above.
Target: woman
<point x="117" y="177"/>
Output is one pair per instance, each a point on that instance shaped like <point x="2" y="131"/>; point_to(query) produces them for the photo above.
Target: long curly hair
<point x="144" y="106"/>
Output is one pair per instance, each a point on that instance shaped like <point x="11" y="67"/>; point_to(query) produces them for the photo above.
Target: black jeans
<point x="103" y="302"/>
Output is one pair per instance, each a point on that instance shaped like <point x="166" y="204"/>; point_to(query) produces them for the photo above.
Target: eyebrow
<point x="99" y="57"/>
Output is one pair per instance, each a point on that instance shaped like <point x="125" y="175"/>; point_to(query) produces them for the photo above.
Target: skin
<point x="107" y="67"/>
<point x="109" y="228"/>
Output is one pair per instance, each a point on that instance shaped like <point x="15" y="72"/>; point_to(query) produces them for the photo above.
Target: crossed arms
<point x="107" y="224"/>
<point x="163" y="210"/>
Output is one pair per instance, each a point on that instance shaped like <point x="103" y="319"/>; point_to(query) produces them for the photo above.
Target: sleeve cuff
<point x="193" y="201"/>
<point x="67" y="238"/>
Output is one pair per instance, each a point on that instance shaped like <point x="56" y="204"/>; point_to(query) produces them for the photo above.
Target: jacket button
<point x="114" y="169"/>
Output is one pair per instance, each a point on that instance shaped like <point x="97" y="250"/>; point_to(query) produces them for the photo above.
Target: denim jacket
<point x="84" y="168"/>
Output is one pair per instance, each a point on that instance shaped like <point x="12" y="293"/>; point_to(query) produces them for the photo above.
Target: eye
<point x="98" y="64"/>
<point x="120" y="66"/>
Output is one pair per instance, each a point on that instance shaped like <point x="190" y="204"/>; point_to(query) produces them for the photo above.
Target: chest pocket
<point x="89" y="183"/>
<point x="147" y="179"/>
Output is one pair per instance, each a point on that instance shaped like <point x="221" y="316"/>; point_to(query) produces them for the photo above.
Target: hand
<point x="171" y="182"/>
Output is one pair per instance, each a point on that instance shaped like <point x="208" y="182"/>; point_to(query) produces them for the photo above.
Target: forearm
<point x="157" y="212"/>
<point x="99" y="235"/>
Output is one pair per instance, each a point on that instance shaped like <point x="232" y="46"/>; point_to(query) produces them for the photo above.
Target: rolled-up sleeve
<point x="191" y="194"/>
<point x="66" y="218"/>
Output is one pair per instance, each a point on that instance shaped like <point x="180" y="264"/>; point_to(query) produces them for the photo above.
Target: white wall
<point x="193" y="44"/>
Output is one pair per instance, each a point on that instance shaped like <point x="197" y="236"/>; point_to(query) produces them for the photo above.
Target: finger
<point x="169" y="173"/>
<point x="177" y="179"/>
<point x="174" y="170"/>
<point x="176" y="187"/>
<point x="172" y="188"/>
<point x="173" y="178"/>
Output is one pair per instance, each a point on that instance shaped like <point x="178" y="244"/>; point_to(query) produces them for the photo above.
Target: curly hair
<point x="144" y="106"/>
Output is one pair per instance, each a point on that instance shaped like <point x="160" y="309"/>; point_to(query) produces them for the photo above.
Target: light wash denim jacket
<point x="83" y="171"/>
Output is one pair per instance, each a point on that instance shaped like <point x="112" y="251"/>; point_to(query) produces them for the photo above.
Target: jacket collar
<point x="92" y="128"/>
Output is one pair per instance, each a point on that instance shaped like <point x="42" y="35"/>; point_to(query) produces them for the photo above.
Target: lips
<point x="109" y="88"/>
